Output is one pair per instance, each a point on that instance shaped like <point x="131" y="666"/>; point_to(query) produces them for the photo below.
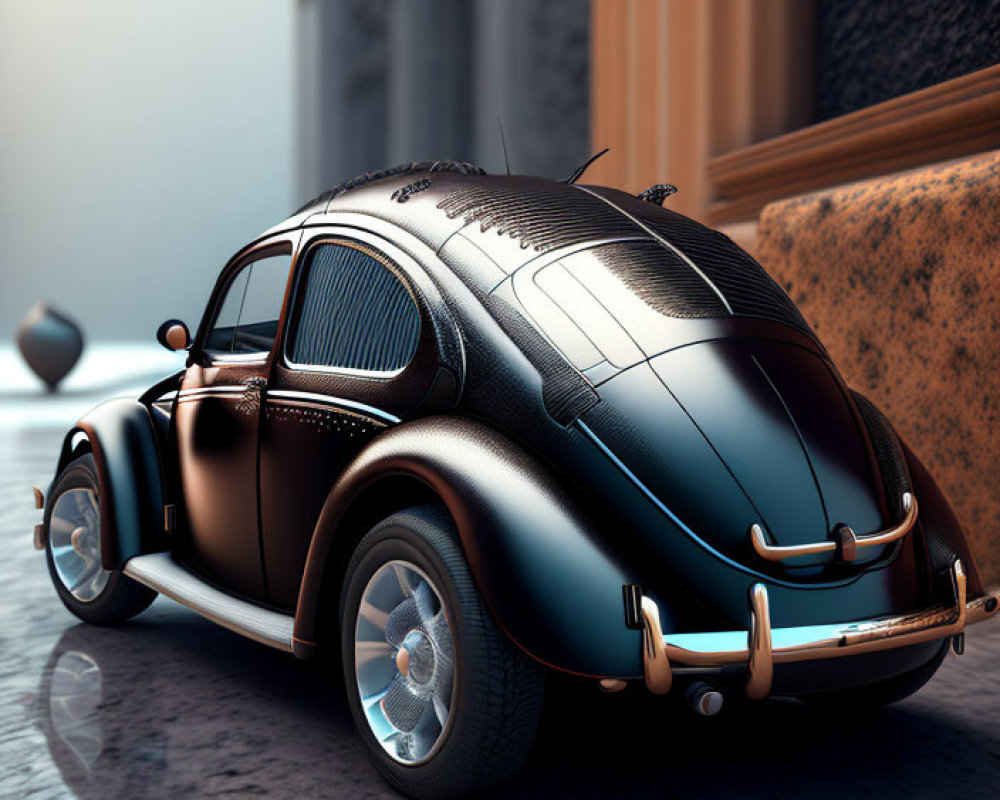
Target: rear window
<point x="617" y="303"/>
<point x="355" y="314"/>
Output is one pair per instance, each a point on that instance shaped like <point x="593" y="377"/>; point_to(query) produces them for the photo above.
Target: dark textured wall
<point x="874" y="50"/>
<point x="388" y="81"/>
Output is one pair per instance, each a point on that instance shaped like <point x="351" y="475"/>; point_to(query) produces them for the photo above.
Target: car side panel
<point x="550" y="584"/>
<point x="306" y="441"/>
<point x="217" y="418"/>
<point x="316" y="419"/>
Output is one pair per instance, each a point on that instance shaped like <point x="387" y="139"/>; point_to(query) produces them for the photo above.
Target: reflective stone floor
<point x="171" y="706"/>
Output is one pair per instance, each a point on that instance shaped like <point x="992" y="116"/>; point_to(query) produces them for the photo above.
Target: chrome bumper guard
<point x="761" y="647"/>
<point x="848" y="542"/>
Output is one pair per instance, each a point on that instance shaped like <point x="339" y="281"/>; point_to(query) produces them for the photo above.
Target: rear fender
<point x="121" y="437"/>
<point x="940" y="527"/>
<point x="552" y="587"/>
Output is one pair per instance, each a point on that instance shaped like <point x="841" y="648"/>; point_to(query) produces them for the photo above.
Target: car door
<point x="357" y="358"/>
<point x="218" y="416"/>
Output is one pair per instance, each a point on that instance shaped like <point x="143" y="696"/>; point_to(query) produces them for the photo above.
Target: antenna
<point x="583" y="167"/>
<point x="503" y="141"/>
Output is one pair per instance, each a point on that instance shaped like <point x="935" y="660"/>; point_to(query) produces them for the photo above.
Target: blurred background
<point x="145" y="142"/>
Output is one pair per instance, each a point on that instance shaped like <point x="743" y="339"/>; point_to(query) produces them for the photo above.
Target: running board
<point x="161" y="572"/>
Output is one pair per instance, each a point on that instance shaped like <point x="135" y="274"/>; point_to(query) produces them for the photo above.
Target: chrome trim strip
<point x="159" y="571"/>
<point x="330" y="400"/>
<point x="256" y="357"/>
<point x="849" y="542"/>
<point x="761" y="646"/>
<point x="228" y="389"/>
<point x="371" y="374"/>
<point x="287" y="394"/>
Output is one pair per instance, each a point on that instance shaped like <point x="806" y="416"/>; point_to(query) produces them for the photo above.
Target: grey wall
<point x="142" y="143"/>
<point x="389" y="81"/>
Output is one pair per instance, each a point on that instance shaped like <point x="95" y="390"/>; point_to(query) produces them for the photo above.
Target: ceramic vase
<point x="50" y="343"/>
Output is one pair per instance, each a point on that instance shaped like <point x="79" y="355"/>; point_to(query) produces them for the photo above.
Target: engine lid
<point x="732" y="432"/>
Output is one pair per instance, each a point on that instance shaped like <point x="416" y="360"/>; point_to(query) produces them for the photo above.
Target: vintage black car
<point x="470" y="429"/>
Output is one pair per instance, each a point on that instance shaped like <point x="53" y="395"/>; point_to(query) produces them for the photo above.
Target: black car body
<point x="653" y="468"/>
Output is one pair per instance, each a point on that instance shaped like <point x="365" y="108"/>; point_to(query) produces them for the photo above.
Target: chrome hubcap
<point x="415" y="658"/>
<point x="404" y="662"/>
<point x="75" y="541"/>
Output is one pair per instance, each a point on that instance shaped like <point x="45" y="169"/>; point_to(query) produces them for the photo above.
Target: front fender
<point x="549" y="583"/>
<point x="129" y="476"/>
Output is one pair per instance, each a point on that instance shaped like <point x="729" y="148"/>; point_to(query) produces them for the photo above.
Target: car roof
<point x="674" y="263"/>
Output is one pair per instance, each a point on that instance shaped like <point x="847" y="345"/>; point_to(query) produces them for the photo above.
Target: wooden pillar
<point x="676" y="82"/>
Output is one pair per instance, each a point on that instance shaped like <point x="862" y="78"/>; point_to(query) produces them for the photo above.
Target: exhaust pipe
<point x="703" y="699"/>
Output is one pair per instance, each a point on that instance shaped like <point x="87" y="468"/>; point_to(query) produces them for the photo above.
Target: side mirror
<point x="174" y="335"/>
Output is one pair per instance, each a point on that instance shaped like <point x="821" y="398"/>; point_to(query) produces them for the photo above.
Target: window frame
<point x="303" y="265"/>
<point x="282" y="247"/>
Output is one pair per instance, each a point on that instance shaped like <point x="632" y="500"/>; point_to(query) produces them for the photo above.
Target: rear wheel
<point x="876" y="695"/>
<point x="73" y="551"/>
<point x="445" y="704"/>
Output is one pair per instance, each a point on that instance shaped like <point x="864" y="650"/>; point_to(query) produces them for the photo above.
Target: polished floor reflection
<point x="169" y="705"/>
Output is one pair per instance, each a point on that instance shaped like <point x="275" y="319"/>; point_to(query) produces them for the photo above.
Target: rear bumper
<point x="761" y="647"/>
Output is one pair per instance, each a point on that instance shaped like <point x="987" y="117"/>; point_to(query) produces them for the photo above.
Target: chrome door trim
<point x="330" y="400"/>
<point x="234" y="391"/>
<point x="234" y="387"/>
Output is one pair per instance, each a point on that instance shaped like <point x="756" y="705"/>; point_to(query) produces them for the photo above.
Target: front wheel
<point x="445" y="703"/>
<point x="73" y="551"/>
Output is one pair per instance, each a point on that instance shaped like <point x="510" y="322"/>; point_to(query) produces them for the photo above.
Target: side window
<point x="247" y="322"/>
<point x="354" y="314"/>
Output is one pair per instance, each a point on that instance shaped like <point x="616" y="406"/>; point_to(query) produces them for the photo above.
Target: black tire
<point x="876" y="695"/>
<point x="121" y="598"/>
<point x="497" y="699"/>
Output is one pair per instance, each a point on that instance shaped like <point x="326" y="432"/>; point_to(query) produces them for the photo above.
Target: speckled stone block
<point x="900" y="277"/>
